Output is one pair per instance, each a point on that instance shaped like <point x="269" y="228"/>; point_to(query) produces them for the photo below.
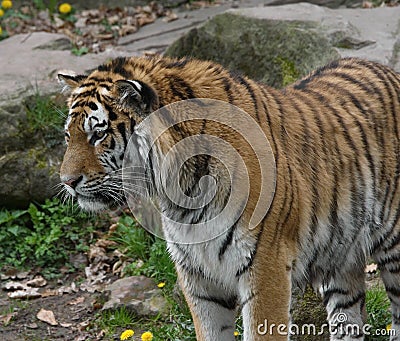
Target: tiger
<point x="334" y="137"/>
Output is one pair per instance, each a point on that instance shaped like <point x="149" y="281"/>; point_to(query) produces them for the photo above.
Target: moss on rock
<point x="272" y="51"/>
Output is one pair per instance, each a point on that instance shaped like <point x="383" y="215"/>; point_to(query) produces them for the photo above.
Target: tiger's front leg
<point x="265" y="292"/>
<point x="213" y="309"/>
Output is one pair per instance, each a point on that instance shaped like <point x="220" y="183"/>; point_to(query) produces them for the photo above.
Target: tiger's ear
<point x="69" y="80"/>
<point x="136" y="95"/>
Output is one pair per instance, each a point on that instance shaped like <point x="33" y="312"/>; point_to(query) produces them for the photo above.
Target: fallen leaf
<point x="26" y="293"/>
<point x="77" y="301"/>
<point x="371" y="268"/>
<point x="47" y="316"/>
<point x="171" y="16"/>
<point x="38" y="281"/>
<point x="82" y="326"/>
<point x="66" y="325"/>
<point x="11" y="286"/>
<point x="48" y="293"/>
<point x="32" y="325"/>
<point x="5" y="319"/>
<point x="105" y="243"/>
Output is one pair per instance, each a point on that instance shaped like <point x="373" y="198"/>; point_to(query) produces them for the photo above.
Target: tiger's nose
<point x="73" y="182"/>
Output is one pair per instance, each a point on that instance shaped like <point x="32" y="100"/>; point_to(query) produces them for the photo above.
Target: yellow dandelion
<point x="65" y="8"/>
<point x="6" y="4"/>
<point x="161" y="284"/>
<point x="147" y="336"/>
<point x="236" y="333"/>
<point x="1" y="12"/>
<point x="125" y="335"/>
<point x="388" y="327"/>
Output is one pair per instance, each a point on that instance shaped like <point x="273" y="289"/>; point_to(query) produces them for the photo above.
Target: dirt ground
<point x="74" y="311"/>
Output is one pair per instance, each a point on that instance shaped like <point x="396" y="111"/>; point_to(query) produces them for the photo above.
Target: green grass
<point x="43" y="236"/>
<point x="148" y="253"/>
<point x="44" y="114"/>
<point x="378" y="309"/>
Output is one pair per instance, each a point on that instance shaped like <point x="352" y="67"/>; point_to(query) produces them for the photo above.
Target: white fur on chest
<point x="205" y="257"/>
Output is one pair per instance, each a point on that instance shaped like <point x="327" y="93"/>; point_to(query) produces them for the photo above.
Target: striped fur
<point x="335" y="139"/>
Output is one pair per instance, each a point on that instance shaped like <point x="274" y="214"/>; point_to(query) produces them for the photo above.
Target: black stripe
<point x="104" y="159"/>
<point x="105" y="86"/>
<point x="227" y="88"/>
<point x="87" y="84"/>
<point x="227" y="242"/>
<point x="118" y="66"/>
<point x="246" y="267"/>
<point x="111" y="114"/>
<point x="393" y="290"/>
<point x="112" y="143"/>
<point x="122" y="130"/>
<point x="250" y="90"/>
<point x="102" y="79"/>
<point x="114" y="160"/>
<point x="302" y="84"/>
<point x="246" y="301"/>
<point x="268" y="117"/>
<point x="333" y="291"/>
<point x="395" y="241"/>
<point x="349" y="303"/>
<point x="176" y="64"/>
<point x="223" y="328"/>
<point x="364" y="138"/>
<point x="79" y="103"/>
<point x="229" y="303"/>
<point x="389" y="259"/>
<point x="393" y="94"/>
<point x="180" y="88"/>
<point x="278" y="230"/>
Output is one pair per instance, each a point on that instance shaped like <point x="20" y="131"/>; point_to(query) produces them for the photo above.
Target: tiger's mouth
<point x="94" y="203"/>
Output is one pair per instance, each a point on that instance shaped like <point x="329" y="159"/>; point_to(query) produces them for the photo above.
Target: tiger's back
<point x="342" y="143"/>
<point x="335" y="139"/>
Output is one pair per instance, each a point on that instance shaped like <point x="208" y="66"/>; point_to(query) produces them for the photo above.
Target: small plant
<point x="378" y="305"/>
<point x="43" y="113"/>
<point x="111" y="320"/>
<point x="79" y="51"/>
<point x="43" y="235"/>
<point x="142" y="247"/>
<point x="4" y="12"/>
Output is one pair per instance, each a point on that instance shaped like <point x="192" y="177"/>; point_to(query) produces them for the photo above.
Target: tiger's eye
<point x="100" y="133"/>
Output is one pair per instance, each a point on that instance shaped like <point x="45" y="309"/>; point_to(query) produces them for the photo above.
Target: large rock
<point x="29" y="156"/>
<point x="278" y="44"/>
<point x="272" y="51"/>
<point x="138" y="294"/>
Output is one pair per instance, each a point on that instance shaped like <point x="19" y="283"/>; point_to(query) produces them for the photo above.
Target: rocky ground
<point x="71" y="307"/>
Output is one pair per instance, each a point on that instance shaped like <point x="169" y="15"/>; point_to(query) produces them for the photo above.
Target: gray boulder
<point x="138" y="294"/>
<point x="278" y="44"/>
<point x="29" y="157"/>
<point x="276" y="52"/>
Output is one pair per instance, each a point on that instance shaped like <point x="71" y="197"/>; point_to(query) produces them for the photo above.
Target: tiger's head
<point x="104" y="108"/>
